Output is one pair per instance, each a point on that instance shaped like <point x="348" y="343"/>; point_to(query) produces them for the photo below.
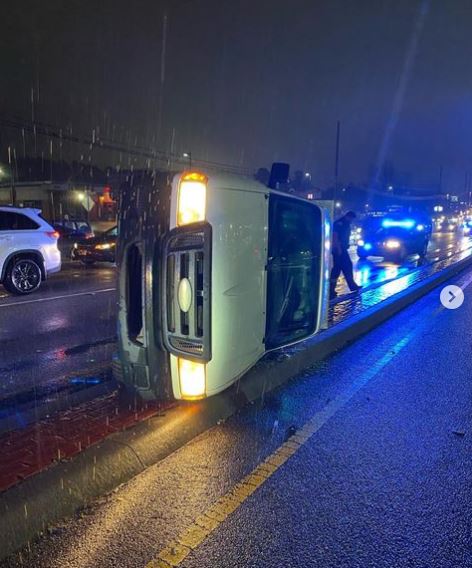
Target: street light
<point x="84" y="198"/>
<point x="338" y="205"/>
<point x="189" y="156"/>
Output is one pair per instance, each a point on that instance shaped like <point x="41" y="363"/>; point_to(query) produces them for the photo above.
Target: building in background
<point x="62" y="200"/>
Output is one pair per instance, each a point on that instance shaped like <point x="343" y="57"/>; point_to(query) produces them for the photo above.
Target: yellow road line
<point x="177" y="550"/>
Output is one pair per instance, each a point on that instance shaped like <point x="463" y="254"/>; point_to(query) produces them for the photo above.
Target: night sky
<point x="249" y="82"/>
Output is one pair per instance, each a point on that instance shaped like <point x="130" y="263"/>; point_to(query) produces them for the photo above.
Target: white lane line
<point x="90" y="293"/>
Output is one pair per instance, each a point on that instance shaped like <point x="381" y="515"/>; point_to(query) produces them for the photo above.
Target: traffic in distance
<point x="95" y="248"/>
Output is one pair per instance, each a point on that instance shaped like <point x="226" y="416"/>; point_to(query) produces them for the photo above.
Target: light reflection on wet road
<point x="375" y="270"/>
<point x="68" y="326"/>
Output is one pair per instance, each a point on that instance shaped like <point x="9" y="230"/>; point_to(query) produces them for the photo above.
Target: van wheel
<point x="23" y="276"/>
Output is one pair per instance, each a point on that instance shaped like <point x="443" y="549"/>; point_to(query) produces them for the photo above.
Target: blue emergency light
<point x="402" y="224"/>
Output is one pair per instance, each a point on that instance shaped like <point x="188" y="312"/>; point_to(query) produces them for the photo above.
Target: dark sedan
<point x="98" y="249"/>
<point x="71" y="229"/>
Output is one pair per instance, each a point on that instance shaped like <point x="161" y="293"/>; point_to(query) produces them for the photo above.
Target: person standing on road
<point x="341" y="259"/>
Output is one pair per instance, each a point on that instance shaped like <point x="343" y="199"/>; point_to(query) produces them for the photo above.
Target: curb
<point x="28" y="509"/>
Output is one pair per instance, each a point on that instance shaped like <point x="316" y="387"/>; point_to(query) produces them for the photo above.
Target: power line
<point x="106" y="144"/>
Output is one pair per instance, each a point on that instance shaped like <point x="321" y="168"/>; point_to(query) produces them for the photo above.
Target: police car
<point x="395" y="236"/>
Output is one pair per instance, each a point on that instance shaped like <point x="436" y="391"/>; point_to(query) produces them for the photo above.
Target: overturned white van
<point x="214" y="271"/>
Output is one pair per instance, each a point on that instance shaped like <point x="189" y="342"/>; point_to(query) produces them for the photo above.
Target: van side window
<point x="293" y="271"/>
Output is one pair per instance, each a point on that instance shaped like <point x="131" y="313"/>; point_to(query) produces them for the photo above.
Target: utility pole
<point x="50" y="159"/>
<point x="12" y="179"/>
<point x="163" y="75"/>
<point x="469" y="192"/>
<point x="336" y="159"/>
<point x="467" y="187"/>
<point x="32" y="105"/>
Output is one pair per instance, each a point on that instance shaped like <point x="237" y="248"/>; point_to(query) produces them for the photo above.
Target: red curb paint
<point x="63" y="435"/>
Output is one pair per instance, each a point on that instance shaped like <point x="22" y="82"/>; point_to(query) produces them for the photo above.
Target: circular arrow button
<point x="452" y="297"/>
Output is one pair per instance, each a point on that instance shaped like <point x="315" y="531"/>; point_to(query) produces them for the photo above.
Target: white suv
<point x="28" y="249"/>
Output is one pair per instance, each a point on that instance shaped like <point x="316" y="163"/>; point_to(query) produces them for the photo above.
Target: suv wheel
<point x="23" y="276"/>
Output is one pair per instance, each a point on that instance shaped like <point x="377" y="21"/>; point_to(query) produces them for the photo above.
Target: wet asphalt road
<point x="69" y="325"/>
<point x="385" y="481"/>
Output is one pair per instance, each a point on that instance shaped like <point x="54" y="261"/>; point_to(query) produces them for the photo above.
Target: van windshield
<point x="293" y="272"/>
